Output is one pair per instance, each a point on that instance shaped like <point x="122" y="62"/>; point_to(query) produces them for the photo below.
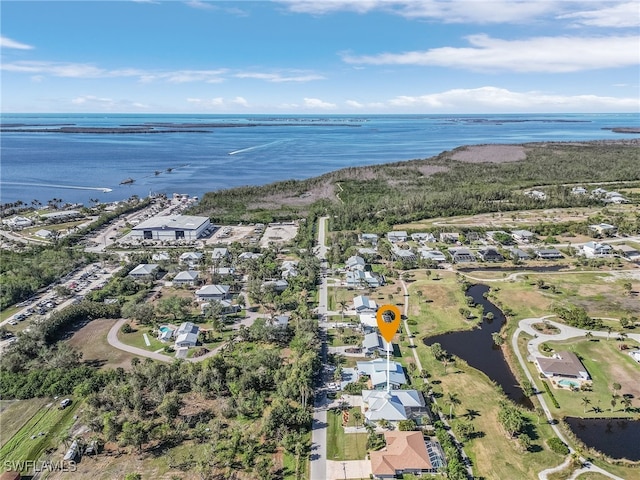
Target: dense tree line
<point x="24" y="273"/>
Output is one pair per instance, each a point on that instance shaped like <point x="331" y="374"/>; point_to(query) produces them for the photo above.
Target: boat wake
<point x="49" y="185"/>
<point x="248" y="149"/>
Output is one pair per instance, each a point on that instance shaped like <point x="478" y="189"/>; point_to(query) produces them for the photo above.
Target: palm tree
<point x="588" y="336"/>
<point x="609" y="330"/>
<point x="343" y="306"/>
<point x="585" y="402"/>
<point x="452" y="400"/>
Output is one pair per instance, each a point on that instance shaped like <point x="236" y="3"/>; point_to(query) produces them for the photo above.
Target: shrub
<point x="126" y="328"/>
<point x="553" y="398"/>
<point x="558" y="446"/>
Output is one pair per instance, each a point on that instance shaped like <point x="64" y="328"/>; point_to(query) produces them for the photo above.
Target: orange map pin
<point x="388" y="317"/>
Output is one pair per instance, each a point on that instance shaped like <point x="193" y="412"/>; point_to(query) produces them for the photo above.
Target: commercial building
<point x="172" y="227"/>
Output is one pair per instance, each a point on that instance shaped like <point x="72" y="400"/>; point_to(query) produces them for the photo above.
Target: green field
<point x="344" y="446"/>
<point x="14" y="414"/>
<point x="50" y="421"/>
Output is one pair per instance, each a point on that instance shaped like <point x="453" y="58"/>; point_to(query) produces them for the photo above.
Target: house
<point x="614" y="197"/>
<point x="423" y="237"/>
<point x="57" y="217"/>
<point x="355" y="263"/>
<point x="371" y="238"/>
<point x="363" y="304"/>
<point x="377" y="370"/>
<point x="461" y="255"/>
<point x="219" y="253"/>
<point x="368" y="321"/>
<point x="145" y="271"/>
<point x="42" y="233"/>
<point x="579" y="191"/>
<point x="249" y="256"/>
<point x="373" y="342"/>
<point x="393" y="406"/>
<point x="562" y="365"/>
<point x="213" y="292"/>
<point x="490" y="255"/>
<point x="226" y="307"/>
<point x="223" y="271"/>
<point x="548" y="254"/>
<point x="171" y="227"/>
<point x="449" y="237"/>
<point x="523" y="236"/>
<point x="289" y="269"/>
<point x="360" y="279"/>
<point x="369" y="252"/>
<point x="629" y="253"/>
<point x="536" y="194"/>
<point x="595" y="249"/>
<point x="161" y="257"/>
<point x="18" y="222"/>
<point x="406" y="452"/>
<point x="277" y="285"/>
<point x="604" y="229"/>
<point x="518" y="254"/>
<point x="432" y="255"/>
<point x="280" y="321"/>
<point x="186" y="277"/>
<point x="191" y="258"/>
<point x="400" y="254"/>
<point x="598" y="192"/>
<point x="397" y="236"/>
<point x="187" y="335"/>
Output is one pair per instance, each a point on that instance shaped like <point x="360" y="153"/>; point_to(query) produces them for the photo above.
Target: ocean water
<point x="258" y="149"/>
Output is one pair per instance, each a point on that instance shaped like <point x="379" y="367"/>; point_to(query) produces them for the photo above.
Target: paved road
<point x="566" y="332"/>
<point x="318" y="462"/>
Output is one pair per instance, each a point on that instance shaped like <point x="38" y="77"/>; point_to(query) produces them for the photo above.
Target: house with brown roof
<point x="562" y="365"/>
<point x="406" y="452"/>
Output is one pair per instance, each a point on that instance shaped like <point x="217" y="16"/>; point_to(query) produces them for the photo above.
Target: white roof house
<point x="191" y="258"/>
<point x="397" y="236"/>
<point x="249" y="256"/>
<point x="278" y="285"/>
<point x="362" y="304"/>
<point x="355" y="263"/>
<point x="402" y="254"/>
<point x="161" y="257"/>
<point x="18" y="222"/>
<point x="373" y="342"/>
<point x="358" y="278"/>
<point x="219" y="253"/>
<point x="187" y="335"/>
<point x="392" y="406"/>
<point x="423" y="237"/>
<point x="603" y="228"/>
<point x="596" y="249"/>
<point x="522" y="236"/>
<point x="186" y="277"/>
<point x="449" y="237"/>
<point x="213" y="292"/>
<point x="432" y="255"/>
<point x="369" y="321"/>
<point x="144" y="270"/>
<point x="377" y="372"/>
<point x="369" y="237"/>
<point x="44" y="233"/>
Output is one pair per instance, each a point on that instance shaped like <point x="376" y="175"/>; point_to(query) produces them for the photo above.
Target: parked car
<point x="65" y="403"/>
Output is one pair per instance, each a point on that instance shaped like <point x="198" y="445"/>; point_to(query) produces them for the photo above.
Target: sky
<point x="320" y="56"/>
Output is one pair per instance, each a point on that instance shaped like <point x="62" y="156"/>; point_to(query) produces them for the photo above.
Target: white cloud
<point x="540" y="54"/>
<point x="207" y="102"/>
<point x="6" y="42"/>
<point x="278" y="78"/>
<point x="619" y="16"/>
<point x="200" y="4"/>
<point x="484" y="12"/>
<point x="240" y="101"/>
<point x="316" y="103"/>
<point x="93" y="100"/>
<point x="494" y="99"/>
<point x="354" y="104"/>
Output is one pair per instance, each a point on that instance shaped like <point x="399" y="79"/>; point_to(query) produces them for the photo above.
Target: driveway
<point x="351" y="469"/>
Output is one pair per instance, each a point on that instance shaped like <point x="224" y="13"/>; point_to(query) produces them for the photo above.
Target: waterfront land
<point x="246" y="409"/>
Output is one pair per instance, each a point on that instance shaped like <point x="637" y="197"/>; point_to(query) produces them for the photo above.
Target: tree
<point x="143" y="313"/>
<point x="489" y="316"/>
<point x="616" y="387"/>
<point x="170" y="406"/>
<point x="174" y="305"/>
<point x="133" y="476"/>
<point x="452" y="400"/>
<point x="438" y="351"/>
<point x="628" y="288"/>
<point x="588" y="336"/>
<point x="497" y="339"/>
<point x="525" y="441"/>
<point x="585" y="402"/>
<point x="407" y="425"/>
<point x="135" y="434"/>
<point x="527" y="388"/>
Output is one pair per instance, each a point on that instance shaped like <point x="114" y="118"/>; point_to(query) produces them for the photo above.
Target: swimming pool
<point x="569" y="383"/>
<point x="164" y="328"/>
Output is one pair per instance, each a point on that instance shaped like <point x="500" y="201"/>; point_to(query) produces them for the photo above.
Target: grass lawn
<point x="136" y="339"/>
<point x="49" y="420"/>
<point x="344" y="446"/>
<point x="606" y="365"/>
<point x="7" y="312"/>
<point x="436" y="311"/>
<point x="337" y="294"/>
<point x="91" y="340"/>
<point x="15" y="413"/>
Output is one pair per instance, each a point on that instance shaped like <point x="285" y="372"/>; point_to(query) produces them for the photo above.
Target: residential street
<point x="318" y="461"/>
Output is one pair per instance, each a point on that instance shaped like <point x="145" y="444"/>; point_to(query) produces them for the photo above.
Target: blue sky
<point x="321" y="56"/>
